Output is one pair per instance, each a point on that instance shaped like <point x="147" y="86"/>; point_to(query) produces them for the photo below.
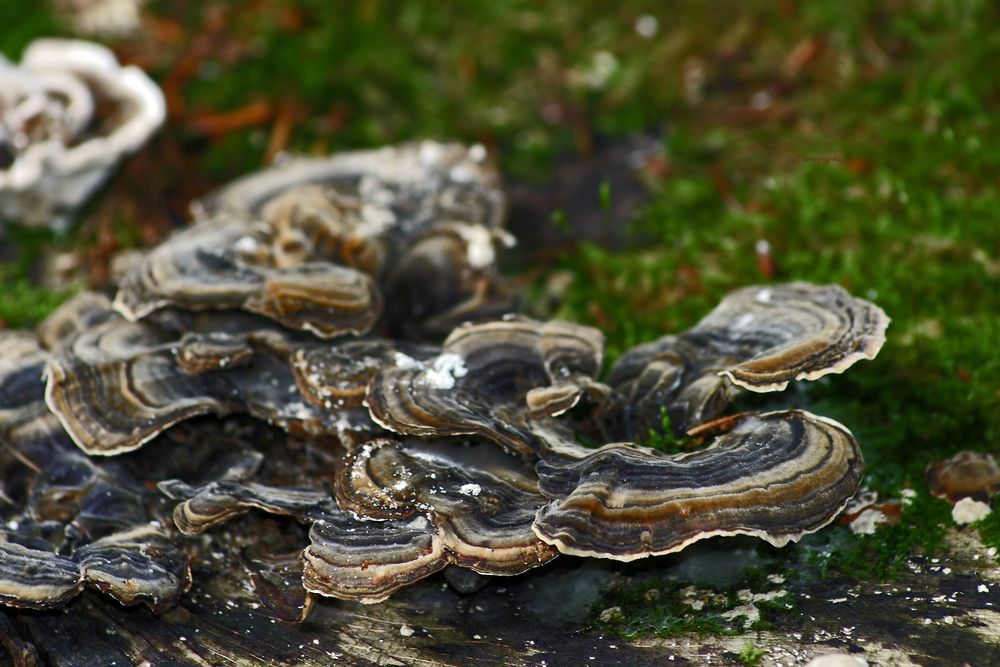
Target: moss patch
<point x="653" y="605"/>
<point x="664" y="439"/>
<point x="750" y="655"/>
<point x="23" y="303"/>
<point x="881" y="555"/>
<point x="989" y="531"/>
<point x="658" y="608"/>
<point x="23" y="21"/>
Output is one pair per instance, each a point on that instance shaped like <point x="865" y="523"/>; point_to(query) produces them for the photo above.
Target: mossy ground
<point x="649" y="604"/>
<point x="856" y="142"/>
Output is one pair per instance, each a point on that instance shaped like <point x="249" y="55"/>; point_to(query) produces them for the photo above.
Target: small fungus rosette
<point x="119" y="384"/>
<point x="69" y="112"/>
<point x="492" y="380"/>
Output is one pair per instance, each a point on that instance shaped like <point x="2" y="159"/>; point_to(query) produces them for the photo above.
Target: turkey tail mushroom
<point x="777" y="476"/>
<point x="758" y="338"/>
<point x="481" y="499"/>
<point x="215" y="265"/>
<point x="489" y="380"/>
<point x="313" y="245"/>
<point x="119" y="384"/>
<point x="68" y="522"/>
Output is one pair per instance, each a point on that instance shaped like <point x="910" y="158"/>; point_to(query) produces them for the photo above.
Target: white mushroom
<point x="68" y="114"/>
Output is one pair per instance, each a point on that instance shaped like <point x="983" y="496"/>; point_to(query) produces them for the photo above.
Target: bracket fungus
<point x="329" y="298"/>
<point x="212" y="266"/>
<point x="622" y="501"/>
<point x="402" y="512"/>
<point x="758" y="338"/>
<point x="69" y="112"/>
<point x="117" y="385"/>
<point x="776" y="476"/>
<point x="318" y="245"/>
<point x="70" y="522"/>
<point x="490" y="380"/>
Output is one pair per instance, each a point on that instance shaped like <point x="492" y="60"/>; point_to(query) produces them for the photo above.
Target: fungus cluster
<point x="314" y="296"/>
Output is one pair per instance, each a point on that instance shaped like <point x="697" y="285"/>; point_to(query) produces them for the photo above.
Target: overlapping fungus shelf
<point x="418" y="421"/>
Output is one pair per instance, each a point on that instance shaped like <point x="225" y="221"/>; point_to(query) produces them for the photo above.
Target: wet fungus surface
<point x="417" y="422"/>
<point x="72" y="522"/>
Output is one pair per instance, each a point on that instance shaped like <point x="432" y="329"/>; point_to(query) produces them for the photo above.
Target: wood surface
<point x="936" y="613"/>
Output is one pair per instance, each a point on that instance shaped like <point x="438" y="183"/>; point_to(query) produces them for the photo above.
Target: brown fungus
<point x="214" y="265"/>
<point x="119" y="384"/>
<point x="22" y="361"/>
<point x="226" y="317"/>
<point x="489" y="380"/>
<point x="346" y="558"/>
<point x="776" y="476"/>
<point x="33" y="576"/>
<point x="73" y="523"/>
<point x="337" y="376"/>
<point x="314" y="244"/>
<point x="234" y="493"/>
<point x="809" y="330"/>
<point x="409" y="187"/>
<point x="482" y="500"/>
<point x="80" y="312"/>
<point x="406" y="510"/>
<point x="446" y="277"/>
<point x="368" y="561"/>
<point x="141" y="564"/>
<point x="622" y="501"/>
<point x="758" y="338"/>
<point x="965" y="475"/>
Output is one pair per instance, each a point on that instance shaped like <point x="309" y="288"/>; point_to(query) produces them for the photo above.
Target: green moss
<point x="881" y="555"/>
<point x="663" y="438"/>
<point x="604" y="194"/>
<point x="662" y="607"/>
<point x="989" y="531"/>
<point x="750" y="655"/>
<point x="772" y="612"/>
<point x="24" y="21"/>
<point x="24" y="304"/>
<point x="656" y="607"/>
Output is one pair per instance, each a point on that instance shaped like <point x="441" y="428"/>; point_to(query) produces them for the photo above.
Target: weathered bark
<point x="934" y="614"/>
